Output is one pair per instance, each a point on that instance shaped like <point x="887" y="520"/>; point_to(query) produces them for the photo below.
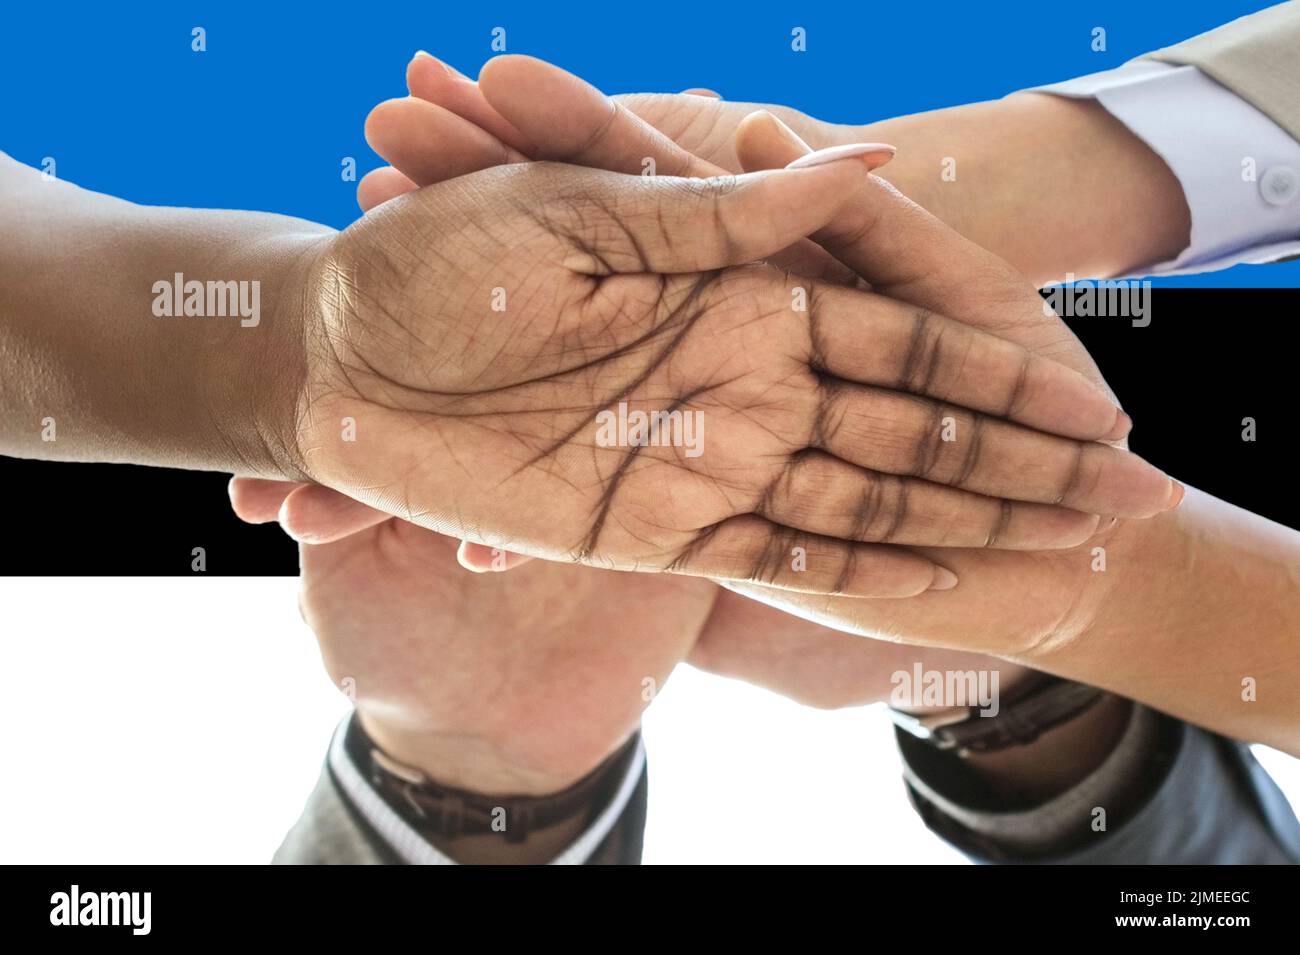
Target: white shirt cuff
<point x="1240" y="171"/>
<point x="413" y="849"/>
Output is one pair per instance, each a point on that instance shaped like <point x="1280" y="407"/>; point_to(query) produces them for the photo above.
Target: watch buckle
<point x="930" y="726"/>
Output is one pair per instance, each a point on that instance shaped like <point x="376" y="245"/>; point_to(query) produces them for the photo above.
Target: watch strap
<point x="1020" y="720"/>
<point x="445" y="812"/>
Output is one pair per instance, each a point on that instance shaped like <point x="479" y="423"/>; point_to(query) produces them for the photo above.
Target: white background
<point x="184" y="720"/>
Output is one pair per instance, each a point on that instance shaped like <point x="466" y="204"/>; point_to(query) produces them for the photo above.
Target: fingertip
<point x="764" y="142"/>
<point x="379" y="116"/>
<point x="531" y="101"/>
<point x="286" y="519"/>
<point x="501" y="65"/>
<point x="427" y="60"/>
<point x="1122" y="427"/>
<point x="1084" y="528"/>
<point x="256" y="500"/>
<point x="1176" y="494"/>
<point x="242" y="502"/>
<point x="1090" y="530"/>
<point x="944" y="579"/>
<point x="766" y="123"/>
<point x="891" y="573"/>
<point x="382" y="185"/>
<point x="1131" y="487"/>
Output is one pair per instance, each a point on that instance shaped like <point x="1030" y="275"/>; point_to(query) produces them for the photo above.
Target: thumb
<point x="672" y="225"/>
<point x="568" y="120"/>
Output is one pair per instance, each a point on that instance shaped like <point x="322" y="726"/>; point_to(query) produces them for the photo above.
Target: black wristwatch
<point x="1045" y="704"/>
<point x="441" y="812"/>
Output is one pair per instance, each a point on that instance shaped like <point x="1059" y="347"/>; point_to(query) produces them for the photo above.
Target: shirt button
<point x="1279" y="185"/>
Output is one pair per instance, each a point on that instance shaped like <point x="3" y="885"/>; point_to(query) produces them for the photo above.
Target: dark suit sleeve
<point x="623" y="844"/>
<point x="1170" y="794"/>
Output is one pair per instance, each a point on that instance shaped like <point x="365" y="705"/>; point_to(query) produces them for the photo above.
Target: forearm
<point x="1201" y="622"/>
<point x="94" y="372"/>
<point x="1052" y="185"/>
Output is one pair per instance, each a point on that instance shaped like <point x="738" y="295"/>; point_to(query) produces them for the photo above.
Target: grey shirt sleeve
<point x="1169" y="793"/>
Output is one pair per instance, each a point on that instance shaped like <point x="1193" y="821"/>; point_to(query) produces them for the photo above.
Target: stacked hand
<point x="860" y="464"/>
<point x="808" y="397"/>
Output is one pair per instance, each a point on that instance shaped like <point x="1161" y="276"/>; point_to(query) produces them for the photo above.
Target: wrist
<point x="1053" y="185"/>
<point x="946" y="164"/>
<point x="255" y="390"/>
<point x="466" y="761"/>
<point x="1203" y="605"/>
<point x="1132" y="578"/>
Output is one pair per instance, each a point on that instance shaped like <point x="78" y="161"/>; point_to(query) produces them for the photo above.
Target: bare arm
<point x="92" y="373"/>
<point x="1052" y="185"/>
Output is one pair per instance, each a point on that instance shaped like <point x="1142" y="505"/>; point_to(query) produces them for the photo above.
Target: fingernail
<point x="1123" y="425"/>
<point x="450" y="71"/>
<point x="944" y="579"/>
<point x="1176" y="495"/>
<point x="702" y="91"/>
<point x="788" y="134"/>
<point x="875" y="155"/>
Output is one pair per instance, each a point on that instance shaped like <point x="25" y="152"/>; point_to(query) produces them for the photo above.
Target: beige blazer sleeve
<point x="1256" y="56"/>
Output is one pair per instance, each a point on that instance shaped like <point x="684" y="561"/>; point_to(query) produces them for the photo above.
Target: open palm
<point x="1007" y="602"/>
